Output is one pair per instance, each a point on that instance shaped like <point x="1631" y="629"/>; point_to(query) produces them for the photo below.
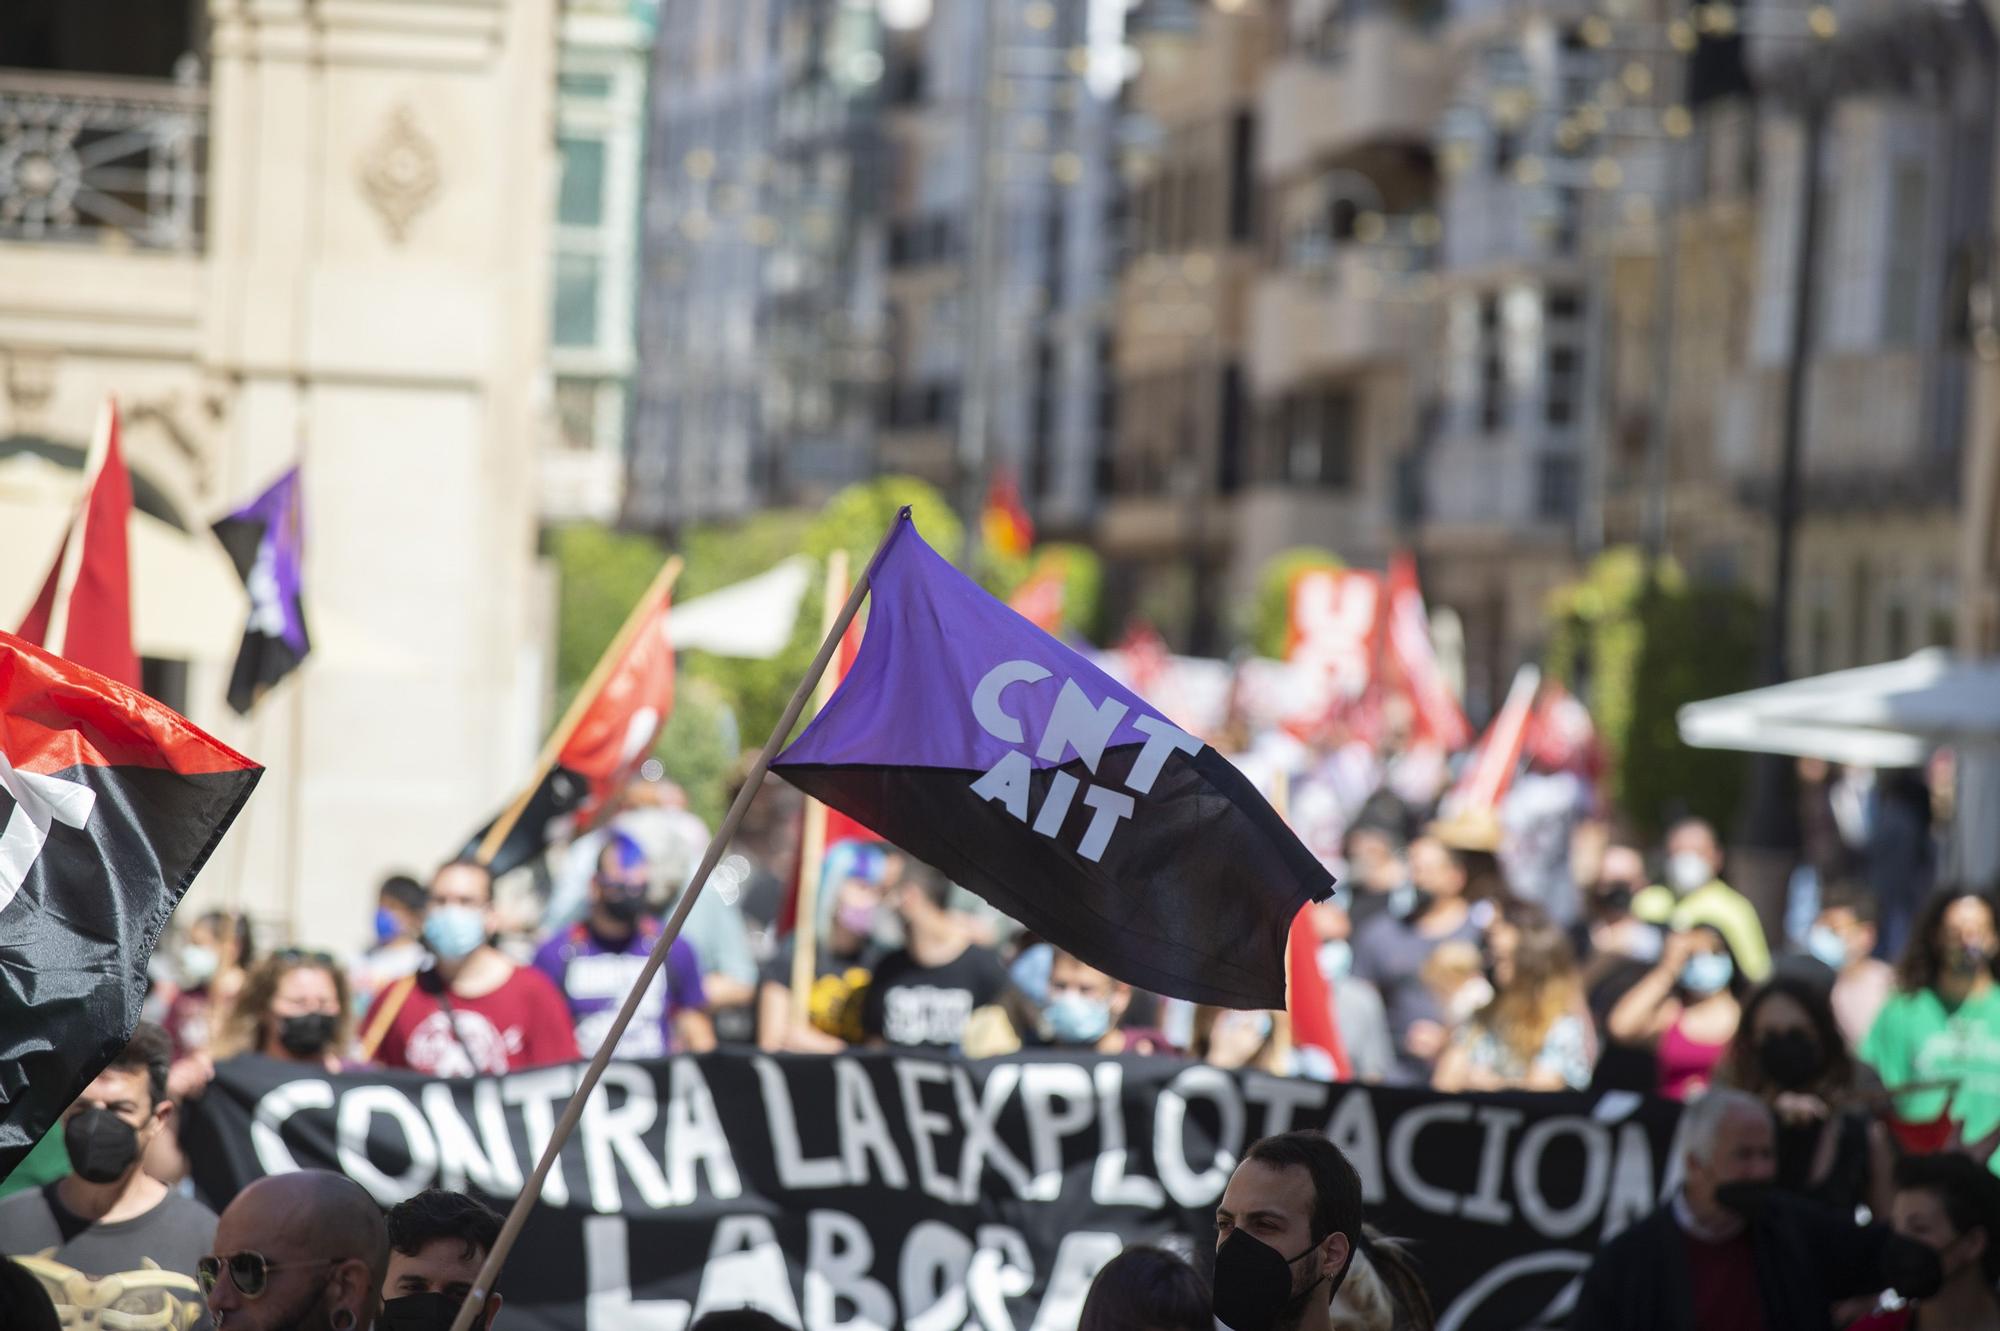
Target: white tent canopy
<point x="1889" y="715"/>
<point x="751" y="619"/>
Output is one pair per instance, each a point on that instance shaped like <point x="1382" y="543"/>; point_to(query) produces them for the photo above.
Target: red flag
<point x="1311" y="998"/>
<point x="113" y="803"/>
<point x="1005" y="521"/>
<point x="84" y="611"/>
<point x="1041" y="600"/>
<point x="625" y="718"/>
<point x="1408" y="644"/>
<point x="1498" y="754"/>
<point x="1333" y="636"/>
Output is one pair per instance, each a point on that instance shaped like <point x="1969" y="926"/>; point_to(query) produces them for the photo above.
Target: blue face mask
<point x="1826" y="947"/>
<point x="1077" y="1019"/>
<point x="386" y="928"/>
<point x="1336" y="959"/>
<point x="1707" y="973"/>
<point x="455" y="932"/>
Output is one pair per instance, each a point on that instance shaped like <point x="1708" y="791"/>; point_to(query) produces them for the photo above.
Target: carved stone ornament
<point x="400" y="173"/>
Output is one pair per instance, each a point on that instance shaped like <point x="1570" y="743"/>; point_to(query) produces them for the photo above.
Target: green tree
<point x="1636" y="649"/>
<point x="1271" y="612"/>
<point x="600" y="574"/>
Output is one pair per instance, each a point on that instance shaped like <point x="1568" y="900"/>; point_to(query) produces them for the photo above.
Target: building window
<point x="589" y="87"/>
<point x="1904" y="271"/>
<point x="576" y="300"/>
<point x="1560" y="393"/>
<point x="581" y="200"/>
<point x="576" y="415"/>
<point x="1314" y="433"/>
<point x="1556" y="488"/>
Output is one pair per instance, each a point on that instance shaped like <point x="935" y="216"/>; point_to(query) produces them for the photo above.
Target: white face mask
<point x="1688" y="871"/>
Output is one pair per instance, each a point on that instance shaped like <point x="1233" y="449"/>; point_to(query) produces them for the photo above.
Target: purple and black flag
<point x="266" y="541"/>
<point x="982" y="745"/>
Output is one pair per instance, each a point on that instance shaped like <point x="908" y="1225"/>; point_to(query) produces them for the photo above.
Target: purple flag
<point x="265" y="539"/>
<point x="983" y="746"/>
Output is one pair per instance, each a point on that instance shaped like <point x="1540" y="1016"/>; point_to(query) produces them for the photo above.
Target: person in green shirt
<point x="45" y="1163"/>
<point x="1943" y="1022"/>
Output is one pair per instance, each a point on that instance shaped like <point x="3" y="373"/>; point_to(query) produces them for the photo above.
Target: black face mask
<point x="1748" y="1199"/>
<point x="1792" y="1059"/>
<point x="432" y="1310"/>
<point x="1253" y="1284"/>
<point x="1967" y="960"/>
<point x="1614" y="901"/>
<point x="102" y="1146"/>
<point x="306" y="1035"/>
<point x="624" y="909"/>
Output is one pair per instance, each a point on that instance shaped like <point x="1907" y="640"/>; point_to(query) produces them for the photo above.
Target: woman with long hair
<point x="294" y="1008"/>
<point x="1940" y="1030"/>
<point x="1685" y="1010"/>
<point x="1534" y="1034"/>
<point x="1383" y="1290"/>
<point x="1788" y="1052"/>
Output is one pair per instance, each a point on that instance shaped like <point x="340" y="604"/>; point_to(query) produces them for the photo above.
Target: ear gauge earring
<point x="343" y="1320"/>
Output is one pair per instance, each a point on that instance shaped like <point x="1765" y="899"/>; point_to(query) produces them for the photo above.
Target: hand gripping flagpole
<point x="531" y="1192"/>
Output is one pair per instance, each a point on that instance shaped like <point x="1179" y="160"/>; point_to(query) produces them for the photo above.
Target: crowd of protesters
<point x="1849" y="1058"/>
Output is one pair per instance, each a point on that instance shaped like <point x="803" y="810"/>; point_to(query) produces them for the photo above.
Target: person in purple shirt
<point x="596" y="962"/>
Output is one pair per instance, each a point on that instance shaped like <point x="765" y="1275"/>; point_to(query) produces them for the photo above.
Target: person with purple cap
<point x="596" y="961"/>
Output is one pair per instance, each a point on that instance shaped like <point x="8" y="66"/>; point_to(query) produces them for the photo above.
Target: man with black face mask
<point x="110" y="1218"/>
<point x="596" y="963"/>
<point x="1731" y="1253"/>
<point x="438" y="1240"/>
<point x="1284" y="1235"/>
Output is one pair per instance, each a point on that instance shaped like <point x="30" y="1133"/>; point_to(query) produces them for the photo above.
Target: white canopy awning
<point x="751" y="619"/>
<point x="187" y="602"/>
<point x="1889" y="715"/>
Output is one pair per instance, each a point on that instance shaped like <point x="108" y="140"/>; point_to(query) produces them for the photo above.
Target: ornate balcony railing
<point x="96" y="159"/>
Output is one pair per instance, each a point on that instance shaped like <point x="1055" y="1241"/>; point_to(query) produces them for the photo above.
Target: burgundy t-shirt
<point x="1723" y="1277"/>
<point x="525" y="1023"/>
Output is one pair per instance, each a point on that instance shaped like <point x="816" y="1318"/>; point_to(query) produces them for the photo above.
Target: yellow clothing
<point x="1722" y="908"/>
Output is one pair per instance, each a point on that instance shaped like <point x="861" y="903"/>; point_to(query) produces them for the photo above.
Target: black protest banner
<point x="877" y="1190"/>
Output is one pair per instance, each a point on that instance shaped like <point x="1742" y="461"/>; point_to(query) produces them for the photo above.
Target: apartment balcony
<point x="1386" y="85"/>
<point x="1869" y="440"/>
<point x="1353" y="310"/>
<point x="95" y="160"/>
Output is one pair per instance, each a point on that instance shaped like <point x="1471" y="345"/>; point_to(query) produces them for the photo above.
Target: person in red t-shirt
<point x="473" y="1010"/>
<point x="1950" y="1204"/>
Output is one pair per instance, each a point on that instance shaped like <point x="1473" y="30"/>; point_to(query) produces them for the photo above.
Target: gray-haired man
<point x="1728" y="1253"/>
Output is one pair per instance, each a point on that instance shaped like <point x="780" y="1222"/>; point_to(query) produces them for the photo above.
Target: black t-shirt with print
<point x="926" y="1007"/>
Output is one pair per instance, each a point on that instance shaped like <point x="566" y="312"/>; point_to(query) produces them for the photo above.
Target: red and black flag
<point x="609" y="740"/>
<point x="980" y="744"/>
<point x="110" y="803"/>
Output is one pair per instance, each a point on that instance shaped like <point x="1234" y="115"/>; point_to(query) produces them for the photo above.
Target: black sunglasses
<point x="249" y="1271"/>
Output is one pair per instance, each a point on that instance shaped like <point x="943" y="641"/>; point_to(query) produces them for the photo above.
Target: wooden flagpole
<point x="517" y="1216"/>
<point x="57" y="635"/>
<point x="812" y="838"/>
<point x="496" y="836"/>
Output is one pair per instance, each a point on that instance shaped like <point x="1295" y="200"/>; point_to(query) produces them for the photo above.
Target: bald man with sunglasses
<point x="297" y="1252"/>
